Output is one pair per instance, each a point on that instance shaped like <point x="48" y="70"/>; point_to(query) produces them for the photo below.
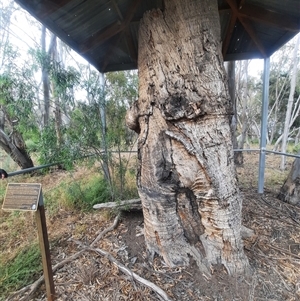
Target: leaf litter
<point x="83" y="273"/>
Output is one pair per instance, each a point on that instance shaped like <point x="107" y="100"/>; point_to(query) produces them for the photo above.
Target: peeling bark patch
<point x="227" y="250"/>
<point x="157" y="239"/>
<point x="132" y="118"/>
<point x="178" y="106"/>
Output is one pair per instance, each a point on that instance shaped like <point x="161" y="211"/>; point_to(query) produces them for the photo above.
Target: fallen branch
<point x="32" y="288"/>
<point x="284" y="251"/>
<point x="134" y="204"/>
<point x="131" y="274"/>
<point x="127" y="271"/>
<point x="109" y="229"/>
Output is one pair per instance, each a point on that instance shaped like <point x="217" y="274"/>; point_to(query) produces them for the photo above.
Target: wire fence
<point x="258" y="150"/>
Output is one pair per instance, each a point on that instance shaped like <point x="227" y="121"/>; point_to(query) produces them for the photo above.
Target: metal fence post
<point x="263" y="131"/>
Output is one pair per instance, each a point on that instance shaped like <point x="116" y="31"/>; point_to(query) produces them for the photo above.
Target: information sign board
<point x="22" y="196"/>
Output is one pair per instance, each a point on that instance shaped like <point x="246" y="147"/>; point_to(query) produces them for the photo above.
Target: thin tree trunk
<point x="238" y="156"/>
<point x="244" y="117"/>
<point x="289" y="105"/>
<point x="186" y="175"/>
<point x="275" y="108"/>
<point x="57" y="103"/>
<point x="102" y="117"/>
<point x="45" y="80"/>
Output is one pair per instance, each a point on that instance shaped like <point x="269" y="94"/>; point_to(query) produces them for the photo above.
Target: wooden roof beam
<point x="269" y="17"/>
<point x="247" y="25"/>
<point x="116" y="8"/>
<point x="250" y="30"/>
<point x="109" y="54"/>
<point x="229" y="33"/>
<point x="126" y="35"/>
<point x="110" y="31"/>
<point x="132" y="52"/>
<point x="130" y="44"/>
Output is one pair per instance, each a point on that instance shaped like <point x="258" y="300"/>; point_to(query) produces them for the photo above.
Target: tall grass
<point x="20" y="271"/>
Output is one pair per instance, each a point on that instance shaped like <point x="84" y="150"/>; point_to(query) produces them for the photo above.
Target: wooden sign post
<point x="29" y="197"/>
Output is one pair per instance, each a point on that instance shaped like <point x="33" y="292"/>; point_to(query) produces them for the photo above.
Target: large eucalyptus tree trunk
<point x="186" y="176"/>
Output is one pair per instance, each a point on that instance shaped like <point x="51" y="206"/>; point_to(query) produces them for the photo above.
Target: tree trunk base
<point x="290" y="191"/>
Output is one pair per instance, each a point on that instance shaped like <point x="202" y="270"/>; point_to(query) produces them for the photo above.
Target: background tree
<point x="45" y="64"/>
<point x="289" y="119"/>
<point x="280" y="93"/>
<point x="16" y="94"/>
<point x="290" y="190"/>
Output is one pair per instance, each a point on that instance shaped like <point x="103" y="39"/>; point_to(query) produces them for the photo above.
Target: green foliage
<point x="92" y="188"/>
<point x="121" y="92"/>
<point x="64" y="79"/>
<point x="296" y="148"/>
<point x="93" y="192"/>
<point x="50" y="151"/>
<point x="122" y="87"/>
<point x="78" y="195"/>
<point x="20" y="271"/>
<point x="17" y="103"/>
<point x="84" y="131"/>
<point x="16" y="95"/>
<point x="41" y="59"/>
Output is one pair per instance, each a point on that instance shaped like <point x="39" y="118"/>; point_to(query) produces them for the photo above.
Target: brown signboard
<point x="22" y="196"/>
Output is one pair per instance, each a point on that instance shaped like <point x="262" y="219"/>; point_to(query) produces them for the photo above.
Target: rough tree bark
<point x="186" y="176"/>
<point x="290" y="190"/>
<point x="15" y="147"/>
<point x="13" y="144"/>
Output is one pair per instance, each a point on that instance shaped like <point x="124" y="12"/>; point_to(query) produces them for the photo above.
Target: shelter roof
<point x="105" y="32"/>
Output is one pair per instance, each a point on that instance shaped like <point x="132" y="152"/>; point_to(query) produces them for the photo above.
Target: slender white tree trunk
<point x="289" y="105"/>
<point x="45" y="79"/>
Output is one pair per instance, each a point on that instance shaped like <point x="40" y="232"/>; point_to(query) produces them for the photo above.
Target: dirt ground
<point x="274" y="253"/>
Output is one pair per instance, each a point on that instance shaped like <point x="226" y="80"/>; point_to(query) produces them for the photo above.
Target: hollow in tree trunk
<point x="186" y="176"/>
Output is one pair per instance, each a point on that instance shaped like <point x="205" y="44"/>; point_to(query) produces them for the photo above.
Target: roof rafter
<point x="109" y="53"/>
<point x="110" y="31"/>
<point x="116" y="8"/>
<point x="127" y="34"/>
<point x="229" y="32"/>
<point x="247" y="25"/>
<point x="266" y="16"/>
<point x="249" y="28"/>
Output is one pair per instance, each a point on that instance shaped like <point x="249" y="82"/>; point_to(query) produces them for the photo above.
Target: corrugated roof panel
<point x="91" y="27"/>
<point x="85" y="20"/>
<point x="224" y="21"/>
<point x="134" y="31"/>
<point x="240" y="40"/>
<point x="285" y="7"/>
